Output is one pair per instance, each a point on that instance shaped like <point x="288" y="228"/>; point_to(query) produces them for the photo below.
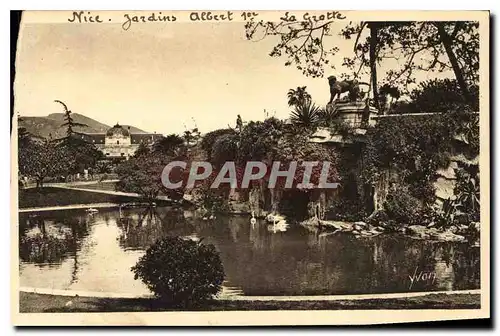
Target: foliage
<point x="464" y="207"/>
<point x="24" y="150"/>
<point x="210" y="138"/>
<point x="347" y="209"/>
<point x="214" y="201"/>
<point x="445" y="216"/>
<point x="440" y="95"/>
<point x="339" y="126"/>
<point x="42" y="248"/>
<point x="224" y="149"/>
<point x="191" y="137"/>
<point x="181" y="271"/>
<point x="44" y="160"/>
<point x="306" y="114"/>
<point x="272" y="140"/>
<point x="295" y="147"/>
<point x="85" y="153"/>
<point x="467" y="130"/>
<point x="298" y="97"/>
<point x="143" y="176"/>
<point x="259" y="140"/>
<point x="300" y="41"/>
<point x="171" y="144"/>
<point x="103" y="167"/>
<point x="265" y="141"/>
<point x="402" y="207"/>
<point x="421" y="45"/>
<point x="69" y="123"/>
<point x="23" y="138"/>
<point x="411" y="147"/>
<point x="466" y="191"/>
<point x="388" y="97"/>
<point x="142" y="150"/>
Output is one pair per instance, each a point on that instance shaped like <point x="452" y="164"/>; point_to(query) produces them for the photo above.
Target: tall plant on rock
<point x="306" y="115"/>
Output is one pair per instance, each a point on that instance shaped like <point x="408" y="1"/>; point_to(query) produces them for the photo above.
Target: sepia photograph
<point x="250" y="167"/>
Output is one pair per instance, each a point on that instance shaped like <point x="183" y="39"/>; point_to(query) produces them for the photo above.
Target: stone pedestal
<point x="355" y="114"/>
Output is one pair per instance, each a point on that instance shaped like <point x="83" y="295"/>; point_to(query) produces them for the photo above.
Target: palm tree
<point x="306" y="115"/>
<point x="191" y="137"/>
<point x="169" y="144"/>
<point x="298" y="96"/>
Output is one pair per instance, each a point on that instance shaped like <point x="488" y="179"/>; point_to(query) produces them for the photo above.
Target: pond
<point x="73" y="250"/>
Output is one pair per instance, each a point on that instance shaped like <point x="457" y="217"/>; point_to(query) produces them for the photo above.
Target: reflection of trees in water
<point x="260" y="262"/>
<point x="466" y="267"/>
<point x="49" y="239"/>
<point x="396" y="258"/>
<point x="142" y="227"/>
<point x="299" y="262"/>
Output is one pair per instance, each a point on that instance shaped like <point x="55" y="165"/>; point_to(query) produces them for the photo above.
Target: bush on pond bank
<point x="181" y="271"/>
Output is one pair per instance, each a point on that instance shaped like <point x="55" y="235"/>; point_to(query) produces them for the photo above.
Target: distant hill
<point x="51" y="125"/>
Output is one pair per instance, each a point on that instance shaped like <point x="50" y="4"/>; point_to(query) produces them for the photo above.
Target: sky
<point x="159" y="77"/>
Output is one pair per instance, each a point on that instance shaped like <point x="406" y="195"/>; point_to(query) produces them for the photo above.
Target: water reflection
<point x="95" y="253"/>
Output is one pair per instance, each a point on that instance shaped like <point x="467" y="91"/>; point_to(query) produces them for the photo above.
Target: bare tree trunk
<point x="447" y="43"/>
<point x="373" y="61"/>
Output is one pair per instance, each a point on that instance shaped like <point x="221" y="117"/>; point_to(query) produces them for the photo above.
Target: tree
<point x="44" y="160"/>
<point x="442" y="95"/>
<point x="23" y="138"/>
<point x="142" y="150"/>
<point x="259" y="140"/>
<point x="142" y="175"/>
<point x="69" y="123"/>
<point x="24" y="143"/>
<point x="85" y="153"/>
<point x="191" y="137"/>
<point x="225" y="149"/>
<point x="298" y="97"/>
<point x="169" y="145"/>
<point x="422" y="46"/>
<point x="210" y="138"/>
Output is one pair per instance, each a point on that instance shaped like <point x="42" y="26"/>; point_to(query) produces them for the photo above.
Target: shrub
<point x="345" y="209"/>
<point x="181" y="272"/>
<point x="403" y="208"/>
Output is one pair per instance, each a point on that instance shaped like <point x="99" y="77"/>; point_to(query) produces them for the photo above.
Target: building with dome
<point x="119" y="143"/>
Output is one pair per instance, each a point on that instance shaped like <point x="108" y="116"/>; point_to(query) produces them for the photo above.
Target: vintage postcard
<point x="197" y="168"/>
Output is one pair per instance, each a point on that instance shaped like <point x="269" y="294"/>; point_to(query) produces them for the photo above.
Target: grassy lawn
<point x="51" y="196"/>
<point x="39" y="303"/>
<point x="99" y="186"/>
